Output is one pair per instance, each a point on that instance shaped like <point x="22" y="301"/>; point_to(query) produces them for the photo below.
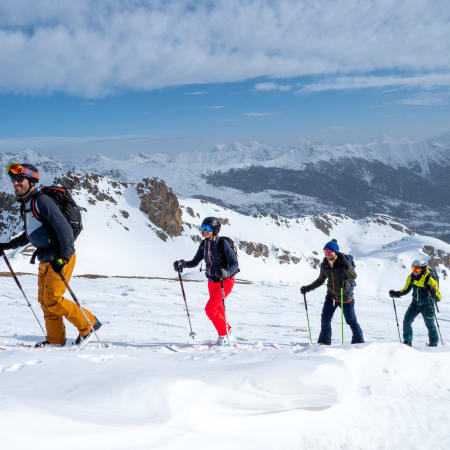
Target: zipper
<point x="209" y="256"/>
<point x="334" y="290"/>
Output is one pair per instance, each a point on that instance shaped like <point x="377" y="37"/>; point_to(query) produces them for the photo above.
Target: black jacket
<point x="340" y="276"/>
<point x="53" y="237"/>
<point x="217" y="254"/>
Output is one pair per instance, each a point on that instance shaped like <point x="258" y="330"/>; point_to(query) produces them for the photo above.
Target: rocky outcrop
<point x="10" y="221"/>
<point x="91" y="183"/>
<point x="437" y="257"/>
<point x="161" y="206"/>
<point x="254" y="249"/>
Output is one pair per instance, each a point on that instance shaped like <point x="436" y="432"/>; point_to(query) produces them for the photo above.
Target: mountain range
<point x="406" y="180"/>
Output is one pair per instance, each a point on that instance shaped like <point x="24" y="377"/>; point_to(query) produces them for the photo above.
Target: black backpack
<point x="230" y="243"/>
<point x="351" y="261"/>
<point x="66" y="204"/>
<point x="433" y="273"/>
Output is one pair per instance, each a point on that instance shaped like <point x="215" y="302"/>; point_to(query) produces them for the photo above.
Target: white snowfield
<point x="136" y="394"/>
<point x="271" y="390"/>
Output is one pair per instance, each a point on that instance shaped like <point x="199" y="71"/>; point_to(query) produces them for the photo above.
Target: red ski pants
<point x="214" y="308"/>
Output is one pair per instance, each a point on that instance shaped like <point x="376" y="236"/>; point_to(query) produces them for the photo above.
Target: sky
<point x="119" y="77"/>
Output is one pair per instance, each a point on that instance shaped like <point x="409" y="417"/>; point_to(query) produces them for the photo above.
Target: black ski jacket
<point x="340" y="276"/>
<point x="217" y="254"/>
<point x="53" y="237"/>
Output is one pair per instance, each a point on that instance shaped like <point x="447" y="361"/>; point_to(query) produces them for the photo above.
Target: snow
<point x="137" y="395"/>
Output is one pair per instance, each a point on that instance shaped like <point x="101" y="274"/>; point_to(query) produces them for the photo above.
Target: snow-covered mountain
<point x="404" y="179"/>
<point x="140" y="229"/>
<point x="152" y="388"/>
<point x="407" y="180"/>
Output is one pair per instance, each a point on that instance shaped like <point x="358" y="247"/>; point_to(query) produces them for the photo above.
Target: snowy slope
<point x="138" y="395"/>
<point x="111" y="244"/>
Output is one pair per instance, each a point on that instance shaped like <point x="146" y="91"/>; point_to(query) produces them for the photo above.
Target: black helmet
<point x="214" y="223"/>
<point x="26" y="170"/>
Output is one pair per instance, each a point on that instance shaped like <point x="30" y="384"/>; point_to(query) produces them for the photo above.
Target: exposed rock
<point x="125" y="214"/>
<point x="437" y="257"/>
<point x="190" y="211"/>
<point x="90" y="182"/>
<point x="10" y="220"/>
<point x="387" y="220"/>
<point x="254" y="248"/>
<point x="160" y="205"/>
<point x="287" y="258"/>
<point x="323" y="224"/>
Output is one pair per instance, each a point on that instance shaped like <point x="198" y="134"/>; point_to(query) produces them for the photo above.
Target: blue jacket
<point x="53" y="237"/>
<point x="217" y="254"/>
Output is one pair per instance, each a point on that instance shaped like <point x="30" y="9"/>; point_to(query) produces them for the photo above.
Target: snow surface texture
<point x="138" y="395"/>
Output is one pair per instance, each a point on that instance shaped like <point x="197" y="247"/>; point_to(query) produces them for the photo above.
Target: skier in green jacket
<point x="425" y="290"/>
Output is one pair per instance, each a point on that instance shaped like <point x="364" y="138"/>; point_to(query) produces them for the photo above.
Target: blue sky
<point x="129" y="76"/>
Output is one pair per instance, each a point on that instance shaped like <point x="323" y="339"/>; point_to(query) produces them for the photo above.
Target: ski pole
<point x="307" y="318"/>
<point x="224" y="309"/>
<point x="191" y="334"/>
<point x="20" y="287"/>
<point x="434" y="305"/>
<point x="79" y="306"/>
<point x="342" y="314"/>
<point x="396" y="318"/>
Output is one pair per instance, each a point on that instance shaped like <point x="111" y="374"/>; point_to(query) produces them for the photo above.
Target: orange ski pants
<point x="55" y="306"/>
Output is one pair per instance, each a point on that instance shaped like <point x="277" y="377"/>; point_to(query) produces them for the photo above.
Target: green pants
<point x="416" y="308"/>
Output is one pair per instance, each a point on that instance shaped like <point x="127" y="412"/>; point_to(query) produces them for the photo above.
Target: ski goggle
<point x="208" y="228"/>
<point x="416" y="268"/>
<point x="18" y="169"/>
<point x="327" y="250"/>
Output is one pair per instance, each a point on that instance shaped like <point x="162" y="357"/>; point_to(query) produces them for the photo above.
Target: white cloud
<point x="426" y="99"/>
<point x="256" y="114"/>
<point x="196" y="93"/>
<point x="217" y="107"/>
<point x="430" y="80"/>
<point x="94" y="48"/>
<point x="272" y="87"/>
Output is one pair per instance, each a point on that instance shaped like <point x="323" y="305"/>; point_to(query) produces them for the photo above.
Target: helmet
<point x="26" y="170"/>
<point x="419" y="263"/>
<point x="214" y="223"/>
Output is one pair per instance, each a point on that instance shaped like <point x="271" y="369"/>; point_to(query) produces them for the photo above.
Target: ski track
<point x="136" y="393"/>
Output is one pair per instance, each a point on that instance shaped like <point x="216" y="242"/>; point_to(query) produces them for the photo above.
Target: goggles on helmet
<point x="208" y="228"/>
<point x="18" y="169"/>
<point x="327" y="250"/>
<point x="416" y="268"/>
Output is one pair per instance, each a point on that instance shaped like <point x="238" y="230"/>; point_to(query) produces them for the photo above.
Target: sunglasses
<point x="18" y="169"/>
<point x="327" y="250"/>
<point x="207" y="228"/>
<point x="18" y="178"/>
<point x="416" y="268"/>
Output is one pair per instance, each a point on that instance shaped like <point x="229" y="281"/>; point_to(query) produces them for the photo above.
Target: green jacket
<point x="421" y="287"/>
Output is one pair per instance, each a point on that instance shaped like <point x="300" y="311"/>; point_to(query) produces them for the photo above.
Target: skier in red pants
<point x="221" y="265"/>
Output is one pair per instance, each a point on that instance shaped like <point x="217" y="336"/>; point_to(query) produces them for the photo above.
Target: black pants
<point x="329" y="307"/>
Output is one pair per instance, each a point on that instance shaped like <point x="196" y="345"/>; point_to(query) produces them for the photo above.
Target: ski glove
<point x="304" y="289"/>
<point x="5" y="246"/>
<point x="58" y="263"/>
<point x="395" y="294"/>
<point x="222" y="273"/>
<point x="178" y="266"/>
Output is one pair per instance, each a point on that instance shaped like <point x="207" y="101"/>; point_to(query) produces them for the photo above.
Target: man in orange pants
<point x="49" y="231"/>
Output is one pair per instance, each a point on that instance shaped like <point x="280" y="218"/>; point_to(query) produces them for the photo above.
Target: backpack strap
<point x="33" y="206"/>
